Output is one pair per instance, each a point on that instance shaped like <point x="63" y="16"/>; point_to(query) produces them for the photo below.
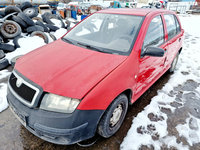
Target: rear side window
<point x="178" y="27"/>
<point x="171" y="25"/>
<point x="155" y="33"/>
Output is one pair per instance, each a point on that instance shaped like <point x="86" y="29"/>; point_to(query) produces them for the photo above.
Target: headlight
<point x="58" y="103"/>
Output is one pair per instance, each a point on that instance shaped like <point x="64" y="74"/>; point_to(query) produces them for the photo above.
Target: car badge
<point x="19" y="82"/>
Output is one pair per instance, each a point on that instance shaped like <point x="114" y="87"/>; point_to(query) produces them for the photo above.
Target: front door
<point x="150" y="68"/>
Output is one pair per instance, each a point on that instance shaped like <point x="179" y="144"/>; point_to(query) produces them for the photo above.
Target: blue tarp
<point x="73" y="14"/>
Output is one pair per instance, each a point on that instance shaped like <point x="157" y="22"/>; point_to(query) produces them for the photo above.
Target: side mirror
<point x="153" y="51"/>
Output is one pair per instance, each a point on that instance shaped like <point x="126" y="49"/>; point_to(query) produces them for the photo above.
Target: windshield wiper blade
<point x="93" y="48"/>
<point x="68" y="41"/>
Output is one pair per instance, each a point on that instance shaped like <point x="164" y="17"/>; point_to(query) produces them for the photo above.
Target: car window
<point x="171" y="26"/>
<point x="178" y="27"/>
<point x="112" y="33"/>
<point x="155" y="33"/>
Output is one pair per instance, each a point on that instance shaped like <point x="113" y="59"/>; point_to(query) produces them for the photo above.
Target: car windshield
<point x="111" y="33"/>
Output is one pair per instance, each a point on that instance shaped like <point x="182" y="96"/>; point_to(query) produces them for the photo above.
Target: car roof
<point x="134" y="11"/>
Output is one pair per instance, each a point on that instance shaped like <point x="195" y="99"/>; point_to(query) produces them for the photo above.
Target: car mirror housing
<point x="153" y="51"/>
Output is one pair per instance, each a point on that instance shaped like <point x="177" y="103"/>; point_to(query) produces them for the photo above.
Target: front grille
<point x="24" y="90"/>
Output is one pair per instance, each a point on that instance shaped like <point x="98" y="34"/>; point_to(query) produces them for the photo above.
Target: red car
<point x="82" y="84"/>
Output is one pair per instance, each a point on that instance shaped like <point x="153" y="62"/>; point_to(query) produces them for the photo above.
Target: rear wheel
<point x="113" y="117"/>
<point x="173" y="65"/>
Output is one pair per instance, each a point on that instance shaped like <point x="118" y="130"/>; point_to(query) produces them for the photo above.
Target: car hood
<point x="66" y="69"/>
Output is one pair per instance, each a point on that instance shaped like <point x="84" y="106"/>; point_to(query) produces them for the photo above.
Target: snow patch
<point x="27" y="45"/>
<point x="3" y="99"/>
<point x="190" y="130"/>
<point x="60" y="32"/>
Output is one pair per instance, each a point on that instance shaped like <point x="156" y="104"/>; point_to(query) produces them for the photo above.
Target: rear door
<point x="150" y="68"/>
<point x="174" y="35"/>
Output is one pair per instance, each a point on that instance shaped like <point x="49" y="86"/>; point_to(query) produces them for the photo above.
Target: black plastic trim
<point x="58" y="128"/>
<point x="39" y="95"/>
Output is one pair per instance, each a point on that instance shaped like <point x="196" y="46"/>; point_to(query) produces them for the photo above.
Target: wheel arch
<point x="101" y="127"/>
<point x="128" y="93"/>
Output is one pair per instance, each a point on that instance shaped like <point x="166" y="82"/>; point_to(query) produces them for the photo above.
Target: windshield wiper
<point x="86" y="46"/>
<point x="93" y="48"/>
<point x="68" y="41"/>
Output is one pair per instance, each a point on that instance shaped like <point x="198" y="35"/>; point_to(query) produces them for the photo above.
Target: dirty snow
<point x="190" y="130"/>
<point x="3" y="92"/>
<point x="150" y="128"/>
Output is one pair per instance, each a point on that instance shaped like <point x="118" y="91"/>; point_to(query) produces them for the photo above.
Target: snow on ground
<point x="27" y="45"/>
<point x="59" y="33"/>
<point x="3" y="101"/>
<point x="3" y="90"/>
<point x="151" y="127"/>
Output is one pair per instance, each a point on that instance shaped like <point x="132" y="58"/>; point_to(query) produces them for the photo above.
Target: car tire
<point x="26" y="19"/>
<point x="52" y="27"/>
<point x="62" y="23"/>
<point x="2" y="13"/>
<point x="1" y="39"/>
<point x="14" y="59"/>
<point x="2" y="54"/>
<point x="31" y="12"/>
<point x="25" y="5"/>
<point x="37" y="19"/>
<point x="3" y="63"/>
<point x="34" y="28"/>
<point x="41" y="35"/>
<point x="39" y="23"/>
<point x="19" y="21"/>
<point x="46" y="18"/>
<point x="68" y="24"/>
<point x="7" y="47"/>
<point x="11" y="9"/>
<point x="54" y="16"/>
<point x="173" y="64"/>
<point x="10" y="29"/>
<point x="113" y="117"/>
<point x="53" y="37"/>
<point x="15" y="42"/>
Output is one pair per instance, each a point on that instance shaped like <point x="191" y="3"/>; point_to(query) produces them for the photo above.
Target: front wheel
<point x="173" y="65"/>
<point x="113" y="117"/>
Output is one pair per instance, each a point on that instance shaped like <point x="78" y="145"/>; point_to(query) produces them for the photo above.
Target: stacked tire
<point x="3" y="61"/>
<point x="23" y="18"/>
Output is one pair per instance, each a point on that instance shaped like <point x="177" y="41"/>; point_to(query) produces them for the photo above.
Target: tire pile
<point x="23" y="19"/>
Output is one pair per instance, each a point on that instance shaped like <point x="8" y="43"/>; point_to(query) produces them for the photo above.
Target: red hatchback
<point x="80" y="85"/>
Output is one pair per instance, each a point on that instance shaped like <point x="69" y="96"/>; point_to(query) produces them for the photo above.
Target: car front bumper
<point x="58" y="128"/>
